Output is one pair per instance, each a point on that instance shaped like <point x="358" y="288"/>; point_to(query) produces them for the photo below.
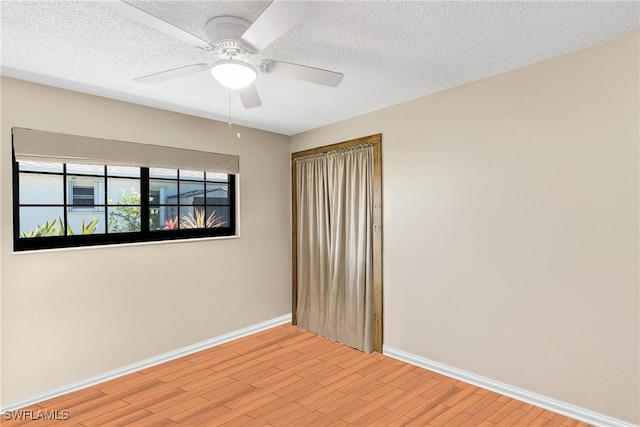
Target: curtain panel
<point x="334" y="255"/>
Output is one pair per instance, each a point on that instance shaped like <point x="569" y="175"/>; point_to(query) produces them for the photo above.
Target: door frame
<point x="376" y="142"/>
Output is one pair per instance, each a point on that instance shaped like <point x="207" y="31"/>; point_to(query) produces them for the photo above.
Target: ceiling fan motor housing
<point x="224" y="33"/>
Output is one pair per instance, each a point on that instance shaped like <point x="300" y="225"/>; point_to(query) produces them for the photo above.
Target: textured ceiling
<point x="389" y="51"/>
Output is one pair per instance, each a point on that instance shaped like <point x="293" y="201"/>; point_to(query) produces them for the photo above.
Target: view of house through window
<point x="118" y="204"/>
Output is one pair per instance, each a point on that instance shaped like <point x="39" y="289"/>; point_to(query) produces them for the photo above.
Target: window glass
<point x="123" y="191"/>
<point x="156" y="221"/>
<point x="163" y="173"/>
<point x="217" y="194"/>
<point x="220" y="215"/>
<point x="166" y="218"/>
<point x="164" y="189"/>
<point x="123" y="171"/>
<point x="76" y="204"/>
<point x="78" y="224"/>
<point x="193" y="175"/>
<point x="125" y="219"/>
<point x="41" y="167"/>
<point x="189" y="190"/>
<point x="41" y="221"/>
<point x="80" y="169"/>
<point x="38" y="188"/>
<point x="154" y="197"/>
<point x="195" y="217"/>
<point x="218" y="177"/>
<point x="85" y="193"/>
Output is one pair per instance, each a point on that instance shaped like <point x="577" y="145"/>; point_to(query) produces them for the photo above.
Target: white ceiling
<point x="389" y="51"/>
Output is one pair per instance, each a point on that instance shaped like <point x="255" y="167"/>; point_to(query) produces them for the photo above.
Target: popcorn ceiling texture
<point x="390" y="52"/>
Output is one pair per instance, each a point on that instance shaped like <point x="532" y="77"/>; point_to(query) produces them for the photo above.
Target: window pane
<point x="125" y="219"/>
<point x="166" y="190"/>
<point x="80" y="169"/>
<point x="85" y="192"/>
<point x="217" y="194"/>
<point x="123" y="171"/>
<point x="189" y="190"/>
<point x="163" y="218"/>
<point x="220" y="216"/>
<point x="123" y="191"/>
<point x="40" y="167"/>
<point x="41" y="222"/>
<point x="84" y="223"/>
<point x="193" y="175"/>
<point x="172" y="212"/>
<point x="163" y="173"/>
<point x="197" y="217"/>
<point x="154" y="219"/>
<point x="154" y="197"/>
<point x="40" y="188"/>
<point x="217" y="177"/>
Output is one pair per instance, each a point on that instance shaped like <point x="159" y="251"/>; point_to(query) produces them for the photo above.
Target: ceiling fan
<point x="234" y="41"/>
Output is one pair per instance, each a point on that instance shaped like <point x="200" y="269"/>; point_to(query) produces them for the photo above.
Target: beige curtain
<point x="334" y="247"/>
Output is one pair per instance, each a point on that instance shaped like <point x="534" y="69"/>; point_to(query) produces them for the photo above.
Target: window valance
<point x="41" y="146"/>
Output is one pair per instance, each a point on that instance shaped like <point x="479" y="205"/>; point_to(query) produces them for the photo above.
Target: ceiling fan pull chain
<point x="238" y="120"/>
<point x="229" y="96"/>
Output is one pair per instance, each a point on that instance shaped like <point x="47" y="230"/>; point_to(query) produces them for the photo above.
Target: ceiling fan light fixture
<point x="234" y="74"/>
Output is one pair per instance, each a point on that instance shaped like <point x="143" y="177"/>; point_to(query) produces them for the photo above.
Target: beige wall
<point x="510" y="236"/>
<point x="511" y="226"/>
<point x="71" y="314"/>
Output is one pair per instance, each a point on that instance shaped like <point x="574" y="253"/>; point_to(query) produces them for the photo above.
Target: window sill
<point x="121" y="245"/>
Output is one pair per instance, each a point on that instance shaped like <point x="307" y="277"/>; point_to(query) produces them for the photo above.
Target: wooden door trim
<point x="376" y="142"/>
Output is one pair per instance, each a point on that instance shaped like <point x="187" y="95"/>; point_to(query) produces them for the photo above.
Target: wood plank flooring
<point x="287" y="377"/>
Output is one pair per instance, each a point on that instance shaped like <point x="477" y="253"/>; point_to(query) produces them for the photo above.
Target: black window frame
<point x="145" y="235"/>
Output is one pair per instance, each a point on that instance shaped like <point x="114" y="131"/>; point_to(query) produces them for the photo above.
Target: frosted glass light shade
<point x="234" y="74"/>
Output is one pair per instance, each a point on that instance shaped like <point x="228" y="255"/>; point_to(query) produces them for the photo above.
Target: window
<point x="180" y="199"/>
<point x="64" y="204"/>
<point x="82" y="195"/>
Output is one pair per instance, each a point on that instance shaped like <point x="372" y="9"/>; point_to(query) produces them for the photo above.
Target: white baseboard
<point x="563" y="408"/>
<point x="143" y="364"/>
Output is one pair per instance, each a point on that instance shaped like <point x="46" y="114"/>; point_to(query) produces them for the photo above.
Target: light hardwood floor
<point x="289" y="377"/>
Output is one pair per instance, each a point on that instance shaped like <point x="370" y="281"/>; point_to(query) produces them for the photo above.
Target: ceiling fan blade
<point x="249" y="96"/>
<point x="274" y="21"/>
<point x="163" y="76"/>
<point x="302" y="72"/>
<point x="138" y="15"/>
